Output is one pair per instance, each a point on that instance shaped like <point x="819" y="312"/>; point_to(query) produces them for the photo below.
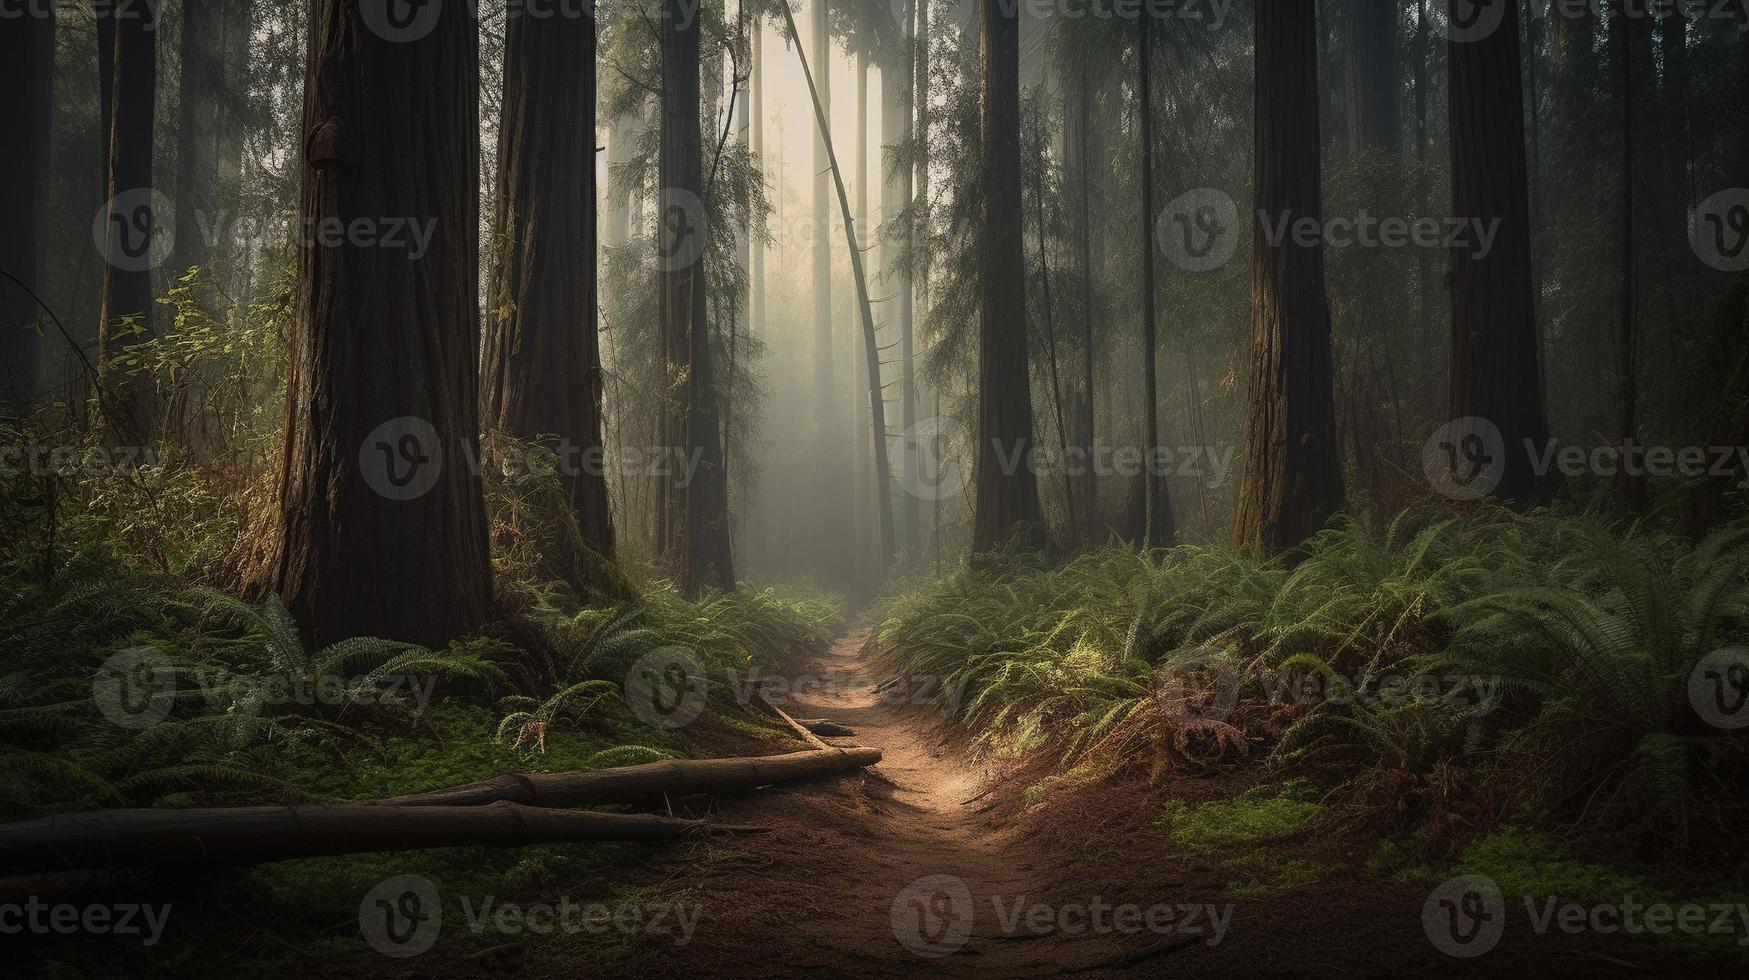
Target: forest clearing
<point x="874" y="488"/>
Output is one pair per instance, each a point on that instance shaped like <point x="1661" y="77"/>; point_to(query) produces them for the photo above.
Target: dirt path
<point x="890" y="872"/>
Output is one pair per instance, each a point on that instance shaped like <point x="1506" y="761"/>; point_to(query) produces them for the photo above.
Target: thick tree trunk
<point x="383" y="530"/>
<point x="1293" y="470"/>
<point x="542" y="368"/>
<point x="1160" y="530"/>
<point x="1375" y="115"/>
<point x="107" y="839"/>
<point x="26" y="74"/>
<point x="132" y="246"/>
<point x="705" y="558"/>
<point x="1006" y="508"/>
<point x="671" y="778"/>
<point x="1494" y="331"/>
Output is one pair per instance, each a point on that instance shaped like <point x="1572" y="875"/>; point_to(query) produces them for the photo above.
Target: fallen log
<point x="629" y="784"/>
<point x="107" y="839"/>
<point x="825" y="728"/>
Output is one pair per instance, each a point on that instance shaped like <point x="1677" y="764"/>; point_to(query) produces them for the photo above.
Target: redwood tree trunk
<point x="383" y="527"/>
<point x="198" y="84"/>
<point x="1006" y="506"/>
<point x="704" y="537"/>
<point x="542" y="369"/>
<point x="26" y="59"/>
<point x="1293" y="470"/>
<point x="1494" y="372"/>
<point x="1157" y="496"/>
<point x="132" y="245"/>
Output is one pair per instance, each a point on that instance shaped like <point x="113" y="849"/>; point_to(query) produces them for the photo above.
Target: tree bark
<point x="1293" y="471"/>
<point x="1006" y="506"/>
<point x="131" y="245"/>
<point x="829" y="457"/>
<point x="198" y="86"/>
<point x="898" y="90"/>
<point x="105" y="839"/>
<point x="542" y="370"/>
<point x="1160" y="530"/>
<point x="705" y="554"/>
<point x="26" y="74"/>
<point x="633" y="784"/>
<point x="1375" y="115"/>
<point x="383" y="529"/>
<point x="1494" y="372"/>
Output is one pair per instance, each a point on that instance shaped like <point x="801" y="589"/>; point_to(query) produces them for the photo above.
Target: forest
<point x="874" y="488"/>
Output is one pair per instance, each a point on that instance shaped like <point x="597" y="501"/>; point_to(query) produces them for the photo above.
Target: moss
<point x="1265" y="875"/>
<point x="1252" y="817"/>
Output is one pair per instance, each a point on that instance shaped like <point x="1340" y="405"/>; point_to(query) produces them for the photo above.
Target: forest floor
<point x="932" y="863"/>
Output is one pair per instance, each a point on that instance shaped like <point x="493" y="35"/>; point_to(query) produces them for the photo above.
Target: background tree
<point x="1159" y="528"/>
<point x="383" y="529"/>
<point x="1293" y="473"/>
<point x="27" y="75"/>
<point x="542" y="370"/>
<point x="1007" y="505"/>
<point x="1494" y="332"/>
<point x="132" y="236"/>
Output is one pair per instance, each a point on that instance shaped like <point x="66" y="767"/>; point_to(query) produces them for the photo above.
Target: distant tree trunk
<point x="1006" y="506"/>
<point x="830" y="524"/>
<point x="756" y="112"/>
<point x="542" y="362"/>
<point x="105" y="91"/>
<point x="1160" y="529"/>
<point x="1293" y="470"/>
<point x="898" y="89"/>
<point x="1633" y="488"/>
<point x="1375" y="115"/>
<point x="862" y="446"/>
<point x="919" y="230"/>
<point x="1078" y="179"/>
<point x="198" y="86"/>
<point x="1494" y="331"/>
<point x="26" y="74"/>
<point x="704" y="539"/>
<point x="383" y="529"/>
<point x="132" y="246"/>
<point x="616" y="202"/>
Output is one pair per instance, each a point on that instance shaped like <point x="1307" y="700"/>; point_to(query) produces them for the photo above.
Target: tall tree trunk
<point x="1293" y="470"/>
<point x="542" y="362"/>
<point x="919" y="230"/>
<point x="132" y="246"/>
<point x="1077" y="157"/>
<point x="1157" y="496"/>
<point x="703" y="538"/>
<point x="1006" y="507"/>
<point x="383" y="530"/>
<point x="860" y="442"/>
<point x="756" y="122"/>
<point x="1634" y="32"/>
<point x="199" y="84"/>
<point x="26" y="74"/>
<point x="829" y="460"/>
<point x="1375" y="117"/>
<point x="898" y="90"/>
<point x="1494" y="330"/>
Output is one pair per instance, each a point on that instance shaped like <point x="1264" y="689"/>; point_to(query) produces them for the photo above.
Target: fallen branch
<point x="630" y="784"/>
<point x="795" y="726"/>
<point x="254" y="834"/>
